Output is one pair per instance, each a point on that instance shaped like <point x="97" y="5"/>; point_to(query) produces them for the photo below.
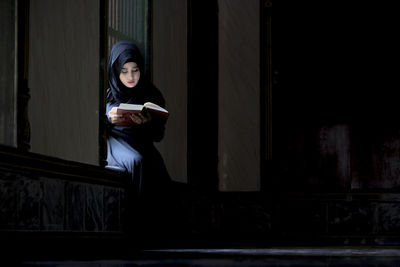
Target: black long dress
<point x="132" y="147"/>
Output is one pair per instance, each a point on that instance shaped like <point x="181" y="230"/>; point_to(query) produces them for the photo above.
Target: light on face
<point x="130" y="74"/>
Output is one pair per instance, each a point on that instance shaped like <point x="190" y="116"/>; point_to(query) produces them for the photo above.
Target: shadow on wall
<point x="342" y="157"/>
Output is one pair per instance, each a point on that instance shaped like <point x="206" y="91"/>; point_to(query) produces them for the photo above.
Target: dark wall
<point x="337" y="63"/>
<point x="335" y="101"/>
<point x="7" y="79"/>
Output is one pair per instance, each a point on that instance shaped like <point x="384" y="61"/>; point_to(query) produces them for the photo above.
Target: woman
<point x="132" y="147"/>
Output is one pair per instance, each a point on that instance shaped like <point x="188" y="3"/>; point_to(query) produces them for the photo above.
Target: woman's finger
<point x="112" y="111"/>
<point x="136" y="119"/>
<point x="145" y="117"/>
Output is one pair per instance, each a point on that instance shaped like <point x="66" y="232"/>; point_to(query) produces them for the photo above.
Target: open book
<point x="155" y="110"/>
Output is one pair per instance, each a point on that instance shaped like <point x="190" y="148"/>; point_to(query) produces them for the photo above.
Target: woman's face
<point x="130" y="74"/>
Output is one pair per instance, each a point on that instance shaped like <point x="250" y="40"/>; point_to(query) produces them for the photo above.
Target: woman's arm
<point x="154" y="129"/>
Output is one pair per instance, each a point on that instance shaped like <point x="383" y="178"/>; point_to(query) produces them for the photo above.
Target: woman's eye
<point x="124" y="72"/>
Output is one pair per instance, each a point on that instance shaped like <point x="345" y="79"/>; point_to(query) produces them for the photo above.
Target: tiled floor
<point x="295" y="256"/>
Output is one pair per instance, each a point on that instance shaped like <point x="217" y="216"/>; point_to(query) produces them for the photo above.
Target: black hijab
<point x="121" y="53"/>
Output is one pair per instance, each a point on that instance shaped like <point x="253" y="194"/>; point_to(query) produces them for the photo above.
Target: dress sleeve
<point x="155" y="129"/>
<point x="108" y="108"/>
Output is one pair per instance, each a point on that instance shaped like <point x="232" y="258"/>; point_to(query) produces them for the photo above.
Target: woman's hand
<point x="114" y="118"/>
<point x="140" y="118"/>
